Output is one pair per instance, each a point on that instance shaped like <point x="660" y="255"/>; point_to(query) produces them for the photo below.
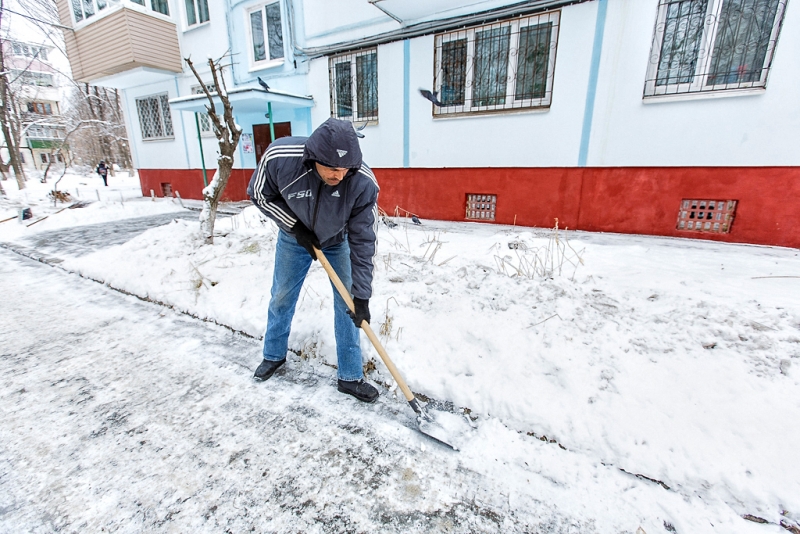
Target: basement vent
<point x="707" y="216"/>
<point x="481" y="207"/>
<point x="166" y="189"/>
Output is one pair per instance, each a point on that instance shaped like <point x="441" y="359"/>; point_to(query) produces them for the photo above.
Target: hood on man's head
<point x="334" y="144"/>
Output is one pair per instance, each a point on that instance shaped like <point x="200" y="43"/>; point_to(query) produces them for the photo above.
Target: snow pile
<point x="676" y="360"/>
<point x="672" y="359"/>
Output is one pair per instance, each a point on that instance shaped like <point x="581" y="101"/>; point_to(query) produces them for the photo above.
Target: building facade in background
<point x="37" y="97"/>
<point x="664" y="117"/>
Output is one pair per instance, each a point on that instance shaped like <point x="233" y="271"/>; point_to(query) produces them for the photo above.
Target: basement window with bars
<point x="502" y="66"/>
<point x="702" y="46"/>
<point x="354" y="86"/>
<point x="154" y="117"/>
<point x="708" y="216"/>
<point x="481" y="207"/>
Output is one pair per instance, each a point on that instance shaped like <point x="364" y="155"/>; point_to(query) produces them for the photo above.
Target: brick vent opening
<point x="707" y="216"/>
<point x="166" y="189"/>
<point x="481" y="207"/>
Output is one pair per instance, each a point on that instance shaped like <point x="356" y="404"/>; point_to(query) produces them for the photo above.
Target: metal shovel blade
<point x="447" y="428"/>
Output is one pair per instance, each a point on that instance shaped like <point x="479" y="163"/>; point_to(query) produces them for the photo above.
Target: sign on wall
<point x="247" y="143"/>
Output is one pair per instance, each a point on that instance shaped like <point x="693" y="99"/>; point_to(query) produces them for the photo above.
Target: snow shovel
<point x="446" y="428"/>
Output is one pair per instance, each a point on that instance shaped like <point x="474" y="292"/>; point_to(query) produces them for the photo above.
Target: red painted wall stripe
<point x="636" y="200"/>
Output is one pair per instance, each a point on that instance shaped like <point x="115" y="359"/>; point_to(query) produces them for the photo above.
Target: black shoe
<point x="363" y="391"/>
<point x="267" y="369"/>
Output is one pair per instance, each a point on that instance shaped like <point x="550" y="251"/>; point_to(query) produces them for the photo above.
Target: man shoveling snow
<point x="320" y="194"/>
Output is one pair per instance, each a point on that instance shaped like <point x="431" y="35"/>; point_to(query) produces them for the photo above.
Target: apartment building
<point x="664" y="117"/>
<point x="34" y="84"/>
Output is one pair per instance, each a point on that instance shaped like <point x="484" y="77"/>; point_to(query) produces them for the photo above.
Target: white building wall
<point x="705" y="130"/>
<point x="751" y="130"/>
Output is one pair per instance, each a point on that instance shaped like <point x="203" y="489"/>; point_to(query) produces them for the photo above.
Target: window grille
<point x="266" y="33"/>
<point x="196" y="12"/>
<point x="481" y="207"/>
<point x="203" y="118"/>
<point x="712" y="45"/>
<point x="354" y="86"/>
<point x="708" y="216"/>
<point x="495" y="67"/>
<point x="154" y="117"/>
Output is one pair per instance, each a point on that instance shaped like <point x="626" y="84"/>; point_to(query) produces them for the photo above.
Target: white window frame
<point x="511" y="103"/>
<point x="160" y="98"/>
<point x="111" y="6"/>
<point x="356" y="117"/>
<point x="198" y="22"/>
<point x="268" y="62"/>
<point x="703" y="67"/>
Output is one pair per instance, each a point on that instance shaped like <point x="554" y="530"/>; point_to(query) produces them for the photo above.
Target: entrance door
<point x="262" y="139"/>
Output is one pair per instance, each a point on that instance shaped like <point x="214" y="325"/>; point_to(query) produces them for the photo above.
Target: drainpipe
<point x="200" y="142"/>
<point x="271" y="124"/>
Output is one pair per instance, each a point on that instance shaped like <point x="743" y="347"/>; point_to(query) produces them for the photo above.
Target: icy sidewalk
<point x="121" y="415"/>
<point x="672" y="359"/>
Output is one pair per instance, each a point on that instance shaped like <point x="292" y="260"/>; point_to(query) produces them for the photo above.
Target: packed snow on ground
<point x="673" y="359"/>
<point x="89" y="202"/>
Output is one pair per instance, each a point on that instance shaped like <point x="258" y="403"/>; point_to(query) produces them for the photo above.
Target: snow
<point x="674" y="360"/>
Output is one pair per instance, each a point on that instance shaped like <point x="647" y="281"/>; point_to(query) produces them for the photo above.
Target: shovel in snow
<point x="446" y="428"/>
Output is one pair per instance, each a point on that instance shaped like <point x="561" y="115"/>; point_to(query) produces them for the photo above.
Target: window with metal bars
<point x="481" y="207"/>
<point x="710" y="216"/>
<point x="354" y="86"/>
<point x="203" y="118"/>
<point x="496" y="67"/>
<point x="712" y="45"/>
<point x="154" y="117"/>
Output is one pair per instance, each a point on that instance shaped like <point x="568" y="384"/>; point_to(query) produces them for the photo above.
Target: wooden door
<point x="262" y="139"/>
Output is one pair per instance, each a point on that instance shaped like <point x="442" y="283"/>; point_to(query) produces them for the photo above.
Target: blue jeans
<point x="291" y="265"/>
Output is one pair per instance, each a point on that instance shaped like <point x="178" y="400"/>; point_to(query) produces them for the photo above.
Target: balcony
<point x="122" y="46"/>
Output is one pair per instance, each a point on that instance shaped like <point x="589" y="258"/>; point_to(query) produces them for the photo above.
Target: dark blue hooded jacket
<point x="286" y="187"/>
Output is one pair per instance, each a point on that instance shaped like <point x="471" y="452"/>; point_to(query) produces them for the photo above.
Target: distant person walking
<point x="102" y="170"/>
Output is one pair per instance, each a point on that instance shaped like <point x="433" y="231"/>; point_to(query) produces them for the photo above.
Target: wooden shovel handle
<point x="345" y="293"/>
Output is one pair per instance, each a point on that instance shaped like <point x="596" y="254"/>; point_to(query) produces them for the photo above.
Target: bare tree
<point x="104" y="136"/>
<point x="228" y="134"/>
<point x="8" y="122"/>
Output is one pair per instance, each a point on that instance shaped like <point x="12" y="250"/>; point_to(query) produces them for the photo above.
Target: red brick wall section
<point x="624" y="200"/>
<point x="615" y="199"/>
<point x="189" y="182"/>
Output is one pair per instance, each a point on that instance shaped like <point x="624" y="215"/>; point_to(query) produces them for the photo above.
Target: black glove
<point x="306" y="238"/>
<point x="361" y="313"/>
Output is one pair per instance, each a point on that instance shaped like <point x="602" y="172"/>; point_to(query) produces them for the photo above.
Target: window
<point x="160" y="6"/>
<point x="23" y="50"/>
<point x="500" y="66"/>
<point x="203" y="118"/>
<point x="30" y="77"/>
<point x="154" y="117"/>
<point x="266" y="33"/>
<point x="354" y="86"/>
<point x="712" y="45"/>
<point x="42" y="108"/>
<point x="196" y="12"/>
<point x="43" y="157"/>
<point x="85" y="9"/>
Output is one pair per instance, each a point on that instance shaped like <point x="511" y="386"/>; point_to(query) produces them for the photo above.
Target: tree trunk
<point x="6" y="107"/>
